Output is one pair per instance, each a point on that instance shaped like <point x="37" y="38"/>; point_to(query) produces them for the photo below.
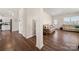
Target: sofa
<point x="48" y="29"/>
<point x="71" y="27"/>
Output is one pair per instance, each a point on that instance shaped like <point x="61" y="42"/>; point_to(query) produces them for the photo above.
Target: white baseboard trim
<point x="30" y="36"/>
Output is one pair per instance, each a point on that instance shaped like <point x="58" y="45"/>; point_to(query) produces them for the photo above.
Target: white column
<point x="39" y="34"/>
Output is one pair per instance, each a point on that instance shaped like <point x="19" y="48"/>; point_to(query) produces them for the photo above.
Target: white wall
<point x="31" y="14"/>
<point x="60" y="18"/>
<point x="47" y="19"/>
<point x="22" y="22"/>
<point x="59" y="21"/>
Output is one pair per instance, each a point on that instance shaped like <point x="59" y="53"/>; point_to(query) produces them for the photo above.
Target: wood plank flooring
<point x="58" y="41"/>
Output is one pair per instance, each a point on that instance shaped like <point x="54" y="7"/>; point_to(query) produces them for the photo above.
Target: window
<point x="55" y="22"/>
<point x="72" y="20"/>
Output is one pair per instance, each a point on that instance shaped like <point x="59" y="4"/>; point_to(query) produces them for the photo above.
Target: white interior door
<point x="39" y="34"/>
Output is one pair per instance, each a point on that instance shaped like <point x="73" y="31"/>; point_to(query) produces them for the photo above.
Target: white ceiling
<point x="8" y="11"/>
<point x="60" y="11"/>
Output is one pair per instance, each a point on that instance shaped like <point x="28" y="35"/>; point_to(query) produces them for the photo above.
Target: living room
<point x="65" y="22"/>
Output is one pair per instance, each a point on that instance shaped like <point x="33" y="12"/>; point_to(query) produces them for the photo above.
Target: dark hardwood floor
<point x="58" y="41"/>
